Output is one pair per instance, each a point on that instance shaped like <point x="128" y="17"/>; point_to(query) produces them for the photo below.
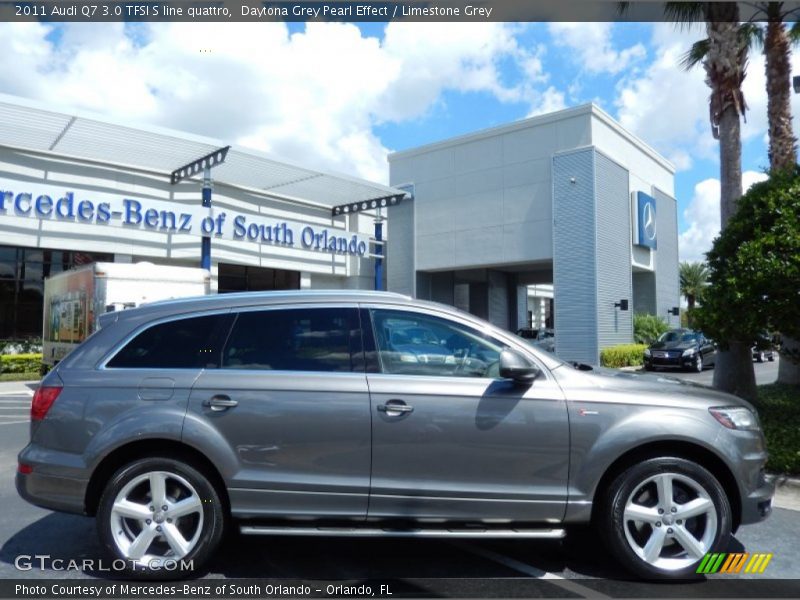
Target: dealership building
<point x="563" y="219"/>
<point x="77" y="188"/>
<point x="569" y="199"/>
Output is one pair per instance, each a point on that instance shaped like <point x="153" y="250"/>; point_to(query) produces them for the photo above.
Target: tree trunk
<point x="725" y="64"/>
<point x="782" y="149"/>
<point x="733" y="371"/>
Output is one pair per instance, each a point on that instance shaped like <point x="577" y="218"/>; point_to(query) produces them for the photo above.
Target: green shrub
<point x="20" y="363"/>
<point x="780" y="420"/>
<point x="647" y="328"/>
<point x="624" y="355"/>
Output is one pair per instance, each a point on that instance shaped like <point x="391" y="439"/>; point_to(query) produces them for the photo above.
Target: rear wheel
<point x="662" y="516"/>
<point x="160" y="517"/>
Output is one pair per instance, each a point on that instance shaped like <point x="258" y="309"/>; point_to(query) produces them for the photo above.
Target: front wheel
<point x="160" y="518"/>
<point x="663" y="515"/>
<point x="698" y="363"/>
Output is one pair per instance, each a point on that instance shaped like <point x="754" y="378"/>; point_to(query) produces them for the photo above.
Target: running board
<point x="550" y="534"/>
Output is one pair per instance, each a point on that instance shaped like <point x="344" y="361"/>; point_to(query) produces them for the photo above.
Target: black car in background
<point x="764" y="348"/>
<point x="680" y="349"/>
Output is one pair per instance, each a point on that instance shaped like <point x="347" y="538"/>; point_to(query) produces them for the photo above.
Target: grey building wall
<point x="574" y="266"/>
<point x="400" y="267"/>
<point x="613" y="239"/>
<point x="499" y="300"/>
<point x="666" y="256"/>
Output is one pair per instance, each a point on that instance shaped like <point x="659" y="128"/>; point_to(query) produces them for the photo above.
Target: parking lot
<point x="576" y="567"/>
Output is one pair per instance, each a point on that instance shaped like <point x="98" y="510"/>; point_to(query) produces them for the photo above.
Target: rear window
<point x="306" y="339"/>
<point x="180" y="344"/>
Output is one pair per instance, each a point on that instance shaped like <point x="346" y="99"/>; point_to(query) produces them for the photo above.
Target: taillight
<point x="42" y="401"/>
<point x="24" y="469"/>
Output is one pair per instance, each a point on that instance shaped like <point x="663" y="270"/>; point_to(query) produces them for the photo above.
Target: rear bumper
<point x="55" y="482"/>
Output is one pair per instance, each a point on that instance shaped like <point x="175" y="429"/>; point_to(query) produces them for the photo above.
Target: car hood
<point x="643" y="388"/>
<point x="678" y="345"/>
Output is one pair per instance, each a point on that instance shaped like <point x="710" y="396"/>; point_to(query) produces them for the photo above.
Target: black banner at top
<point x="351" y="11"/>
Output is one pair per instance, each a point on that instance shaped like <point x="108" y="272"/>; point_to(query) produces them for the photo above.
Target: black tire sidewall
<point x="611" y="522"/>
<point x="213" y="515"/>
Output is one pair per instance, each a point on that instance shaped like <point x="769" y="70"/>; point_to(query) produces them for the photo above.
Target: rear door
<point x="288" y="413"/>
<point x="450" y="438"/>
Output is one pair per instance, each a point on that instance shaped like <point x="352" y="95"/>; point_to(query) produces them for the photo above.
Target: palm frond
<point x="695" y="54"/>
<point x="685" y="14"/>
<point x="752" y="35"/>
<point x="794" y="32"/>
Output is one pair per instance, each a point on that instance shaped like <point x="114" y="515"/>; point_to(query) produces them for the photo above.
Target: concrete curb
<point x="787" y="491"/>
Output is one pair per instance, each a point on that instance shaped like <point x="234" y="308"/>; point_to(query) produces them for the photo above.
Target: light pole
<point x="205" y="164"/>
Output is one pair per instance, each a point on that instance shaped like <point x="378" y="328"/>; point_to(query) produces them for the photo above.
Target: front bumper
<point x="757" y="505"/>
<point x="670" y="362"/>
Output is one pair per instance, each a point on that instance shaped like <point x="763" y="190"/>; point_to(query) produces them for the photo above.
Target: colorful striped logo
<point x="734" y="563"/>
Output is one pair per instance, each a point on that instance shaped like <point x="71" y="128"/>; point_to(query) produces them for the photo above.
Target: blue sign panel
<point x="646" y="221"/>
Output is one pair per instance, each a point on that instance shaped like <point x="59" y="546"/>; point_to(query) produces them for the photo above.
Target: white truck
<point x="75" y="299"/>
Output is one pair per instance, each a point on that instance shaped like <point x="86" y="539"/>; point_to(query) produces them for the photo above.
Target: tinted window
<point x="415" y="344"/>
<point x="180" y="344"/>
<point x="308" y="339"/>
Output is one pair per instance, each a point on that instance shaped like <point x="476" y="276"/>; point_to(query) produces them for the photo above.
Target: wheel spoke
<point x="654" y="545"/>
<point x="131" y="510"/>
<point x="158" y="489"/>
<point x="689" y="543"/>
<point x="186" y="506"/>
<point x="175" y="539"/>
<point x="694" y="508"/>
<point x="664" y="487"/>
<point x="644" y="514"/>
<point x="139" y="546"/>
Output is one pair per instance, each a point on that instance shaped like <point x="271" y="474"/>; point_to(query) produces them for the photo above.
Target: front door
<point x="451" y="439"/>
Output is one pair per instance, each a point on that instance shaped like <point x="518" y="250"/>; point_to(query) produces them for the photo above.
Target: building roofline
<point x="591" y="109"/>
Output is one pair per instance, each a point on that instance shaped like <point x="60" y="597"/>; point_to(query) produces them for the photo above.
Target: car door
<point x="450" y="438"/>
<point x="288" y="411"/>
<point x="707" y="349"/>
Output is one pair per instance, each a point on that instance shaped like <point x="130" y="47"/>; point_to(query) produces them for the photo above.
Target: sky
<point x="340" y="97"/>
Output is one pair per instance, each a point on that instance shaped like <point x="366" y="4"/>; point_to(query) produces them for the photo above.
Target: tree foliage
<point x="754" y="265"/>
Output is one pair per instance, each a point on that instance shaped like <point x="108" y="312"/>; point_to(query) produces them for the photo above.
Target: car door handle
<point x="395" y="406"/>
<point x="218" y="403"/>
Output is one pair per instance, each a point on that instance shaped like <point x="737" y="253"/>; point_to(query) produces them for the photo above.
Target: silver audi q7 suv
<point x="364" y="413"/>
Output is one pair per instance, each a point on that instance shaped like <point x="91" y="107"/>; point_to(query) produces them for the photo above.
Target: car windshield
<point x="679" y="336"/>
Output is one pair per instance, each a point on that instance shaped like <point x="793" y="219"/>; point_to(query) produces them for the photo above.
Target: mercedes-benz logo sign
<point x="649" y="221"/>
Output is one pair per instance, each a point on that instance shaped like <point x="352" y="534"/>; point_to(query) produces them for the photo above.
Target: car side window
<point x="303" y="339"/>
<point x="189" y="343"/>
<point x="416" y="344"/>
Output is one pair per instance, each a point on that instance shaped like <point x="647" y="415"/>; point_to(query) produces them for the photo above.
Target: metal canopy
<point x="32" y="126"/>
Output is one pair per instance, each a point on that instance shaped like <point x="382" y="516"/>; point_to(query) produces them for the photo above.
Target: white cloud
<point x="702" y="216"/>
<point x="592" y="48"/>
<point x="313" y="97"/>
<point x="548" y="101"/>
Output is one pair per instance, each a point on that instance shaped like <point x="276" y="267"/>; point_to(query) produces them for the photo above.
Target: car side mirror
<point x="516" y="367"/>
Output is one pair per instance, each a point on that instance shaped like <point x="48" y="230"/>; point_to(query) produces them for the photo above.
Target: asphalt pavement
<point x="766" y="372"/>
<point x="576" y="567"/>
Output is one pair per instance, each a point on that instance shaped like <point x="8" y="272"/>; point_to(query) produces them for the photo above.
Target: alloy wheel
<point x="670" y="521"/>
<point x="156" y="517"/>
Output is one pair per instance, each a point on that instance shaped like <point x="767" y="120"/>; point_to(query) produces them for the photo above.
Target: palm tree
<point x="693" y="277"/>
<point x="725" y="62"/>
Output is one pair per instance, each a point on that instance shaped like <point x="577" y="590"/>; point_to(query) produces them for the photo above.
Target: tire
<point x="771" y="357"/>
<point x="698" y="364"/>
<point x="168" y="540"/>
<point x="637" y="492"/>
<point x="648" y="367"/>
<point x="760" y="358"/>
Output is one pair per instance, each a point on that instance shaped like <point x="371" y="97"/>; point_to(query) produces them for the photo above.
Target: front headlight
<point x="689" y="351"/>
<point x="647" y="351"/>
<point x="736" y="417"/>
